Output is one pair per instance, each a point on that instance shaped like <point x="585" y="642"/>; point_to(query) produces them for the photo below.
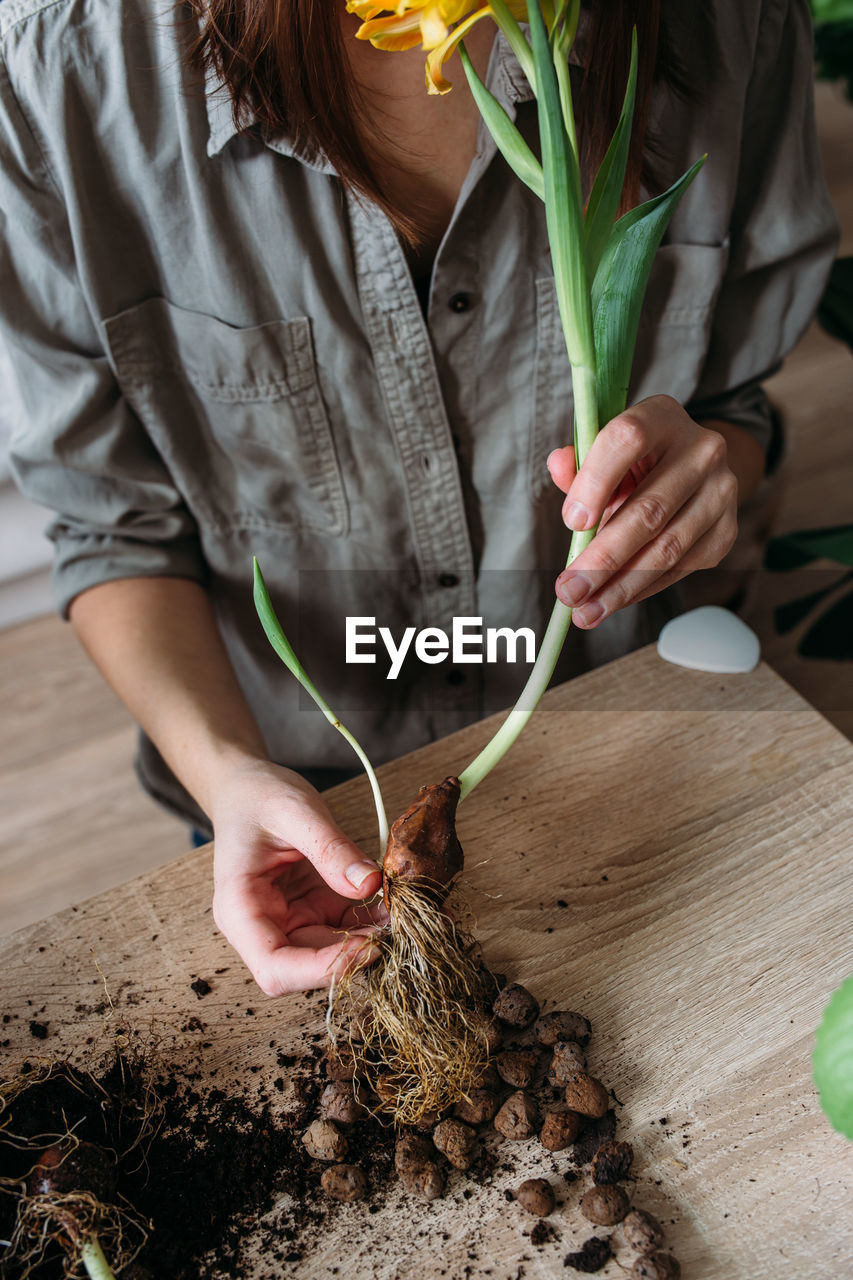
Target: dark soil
<point x="214" y="1166"/>
<point x="592" y="1255"/>
<point x="203" y="1166"/>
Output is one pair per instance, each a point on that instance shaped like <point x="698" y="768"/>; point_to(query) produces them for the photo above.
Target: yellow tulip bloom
<point x="436" y="25"/>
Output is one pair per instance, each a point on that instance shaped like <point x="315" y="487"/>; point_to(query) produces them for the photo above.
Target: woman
<point x="328" y="337"/>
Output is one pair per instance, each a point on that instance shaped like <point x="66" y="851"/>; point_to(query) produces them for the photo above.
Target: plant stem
<point x="564" y="220"/>
<point x="92" y="1257"/>
<point x="537" y="683"/>
<point x="516" y="40"/>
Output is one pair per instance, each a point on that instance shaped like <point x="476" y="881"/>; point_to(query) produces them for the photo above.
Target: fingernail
<point x="573" y="589"/>
<point x="590" y="613"/>
<point x="577" y="516"/>
<point x="359" y="871"/>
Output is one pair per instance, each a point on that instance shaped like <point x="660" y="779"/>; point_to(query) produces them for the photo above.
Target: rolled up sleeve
<point x="78" y="448"/>
<point x="783" y="231"/>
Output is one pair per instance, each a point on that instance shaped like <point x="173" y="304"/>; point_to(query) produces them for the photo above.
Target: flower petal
<point x="435" y="81"/>
<point x="392" y="33"/>
<point x="434" y="29"/>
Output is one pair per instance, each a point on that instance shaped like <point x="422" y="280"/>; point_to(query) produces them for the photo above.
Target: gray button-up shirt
<point x="222" y="354"/>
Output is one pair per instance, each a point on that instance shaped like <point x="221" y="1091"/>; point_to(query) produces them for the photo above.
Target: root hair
<point x="416" y="1020"/>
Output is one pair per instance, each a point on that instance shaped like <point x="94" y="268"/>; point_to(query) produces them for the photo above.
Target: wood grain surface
<point x="699" y="830"/>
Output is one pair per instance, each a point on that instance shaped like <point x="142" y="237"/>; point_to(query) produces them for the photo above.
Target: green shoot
<point x="282" y="646"/>
<point x="92" y="1257"/>
<point x="601" y="269"/>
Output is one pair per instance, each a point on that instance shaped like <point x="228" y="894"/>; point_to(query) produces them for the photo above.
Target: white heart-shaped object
<point x="710" y="639"/>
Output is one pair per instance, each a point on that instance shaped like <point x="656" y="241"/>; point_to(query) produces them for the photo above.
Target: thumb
<point x="337" y="858"/>
<point x="562" y="466"/>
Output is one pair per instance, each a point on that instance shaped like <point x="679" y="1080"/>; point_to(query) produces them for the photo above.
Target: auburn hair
<point x="284" y="64"/>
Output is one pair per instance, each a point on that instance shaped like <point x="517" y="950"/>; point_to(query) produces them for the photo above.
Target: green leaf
<point x="789" y="615"/>
<point x="833" y="42"/>
<point x="603" y="203"/>
<point x="832" y="10"/>
<point x="619" y="287"/>
<point x="835" y="312"/>
<point x="507" y="138"/>
<point x="832" y="1059"/>
<point x="793" y="550"/>
<point x="832" y="635"/>
<point x="284" y="649"/>
<point x="563" y="207"/>
<point x="515" y="38"/>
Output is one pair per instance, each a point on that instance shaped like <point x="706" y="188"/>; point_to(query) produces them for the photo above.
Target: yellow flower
<point x="436" y="25"/>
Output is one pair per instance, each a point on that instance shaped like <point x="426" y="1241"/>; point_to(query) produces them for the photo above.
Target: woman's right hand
<point x="290" y="886"/>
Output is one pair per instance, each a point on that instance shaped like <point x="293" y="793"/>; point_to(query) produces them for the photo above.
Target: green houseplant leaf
<point x="832" y="10"/>
<point x="831" y="636"/>
<point x="789" y="615"/>
<point x="793" y="550"/>
<point x="835" y="312"/>
<point x="619" y="287"/>
<point x="832" y="1059"/>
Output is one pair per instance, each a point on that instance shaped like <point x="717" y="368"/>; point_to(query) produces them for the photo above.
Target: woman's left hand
<point x="660" y="487"/>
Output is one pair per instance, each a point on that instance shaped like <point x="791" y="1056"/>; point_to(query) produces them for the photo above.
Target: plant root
<point x="417" y="1020"/>
<point x="73" y="1222"/>
<point x="68" y="1222"/>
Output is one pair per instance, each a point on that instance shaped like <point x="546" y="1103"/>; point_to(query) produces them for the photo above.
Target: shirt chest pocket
<point x="237" y="415"/>
<point x="672" y="344"/>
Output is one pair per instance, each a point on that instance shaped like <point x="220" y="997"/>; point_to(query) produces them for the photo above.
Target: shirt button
<point x="459" y="302"/>
<point x="455" y="676"/>
<point x="448" y="580"/>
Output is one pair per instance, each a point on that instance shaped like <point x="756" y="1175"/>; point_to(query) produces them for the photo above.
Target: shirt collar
<point x="504" y="72"/>
<point x="220" y="116"/>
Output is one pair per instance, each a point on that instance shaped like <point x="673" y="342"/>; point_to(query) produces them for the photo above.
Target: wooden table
<point x="699" y="830"/>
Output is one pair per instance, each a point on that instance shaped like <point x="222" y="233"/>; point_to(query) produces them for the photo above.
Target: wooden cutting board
<point x="667" y="851"/>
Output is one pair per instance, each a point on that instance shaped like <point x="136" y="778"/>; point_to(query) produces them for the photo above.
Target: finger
<point x="365" y="914"/>
<point x="302" y="968"/>
<point x="562" y="465"/>
<point x="320" y="936"/>
<point x="707" y="552"/>
<point x="622" y="494"/>
<point x="623" y="443"/>
<point x="312" y="830"/>
<point x="697" y="538"/>
<point x="277" y="965"/>
<point x="681" y="491"/>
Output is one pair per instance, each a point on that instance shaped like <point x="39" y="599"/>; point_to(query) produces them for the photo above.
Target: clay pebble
<point x="536" y="1195"/>
<point x="642" y="1231"/>
<point x="457" y="1142"/>
<point x="605" y="1206"/>
<point x="568" y="1059"/>
<point x="516" y="1119"/>
<point x="516" y="1006"/>
<point x="324" y="1141"/>
<point x="586" y="1095"/>
<point x="339" y="1103"/>
<point x="479" y="1108"/>
<point x="416" y="1162"/>
<point x="562" y="1024"/>
<point x="656" y="1266"/>
<point x="345" y="1182"/>
<point x="612" y="1162"/>
<point x="560" y="1127"/>
<point x="517" y="1067"/>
